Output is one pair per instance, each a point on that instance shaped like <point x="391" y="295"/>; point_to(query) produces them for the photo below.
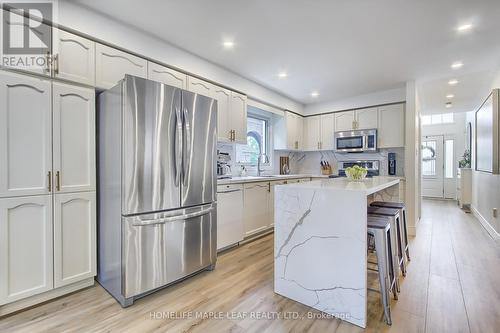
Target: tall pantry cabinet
<point x="47" y="185"/>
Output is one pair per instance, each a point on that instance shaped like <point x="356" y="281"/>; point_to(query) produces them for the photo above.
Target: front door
<point x="438" y="165"/>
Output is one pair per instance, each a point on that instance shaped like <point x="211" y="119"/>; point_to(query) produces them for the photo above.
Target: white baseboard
<point x="44" y="297"/>
<point x="495" y="235"/>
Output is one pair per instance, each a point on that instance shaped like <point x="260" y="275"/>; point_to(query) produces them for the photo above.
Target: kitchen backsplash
<point x="309" y="162"/>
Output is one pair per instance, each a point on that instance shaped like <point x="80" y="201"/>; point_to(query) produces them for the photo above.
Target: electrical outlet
<point x="495" y="213"/>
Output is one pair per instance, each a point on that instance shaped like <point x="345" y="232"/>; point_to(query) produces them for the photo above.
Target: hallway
<point x="453" y="280"/>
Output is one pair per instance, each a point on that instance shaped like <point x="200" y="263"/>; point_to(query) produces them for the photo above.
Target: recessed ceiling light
<point x="457" y="65"/>
<point x="453" y="82"/>
<point x="282" y="75"/>
<point x="450" y="96"/>
<point x="314" y="94"/>
<point x="448" y="105"/>
<point x="228" y="44"/>
<point x="464" y="27"/>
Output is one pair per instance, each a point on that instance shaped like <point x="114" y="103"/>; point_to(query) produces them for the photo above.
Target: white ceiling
<point x="340" y="48"/>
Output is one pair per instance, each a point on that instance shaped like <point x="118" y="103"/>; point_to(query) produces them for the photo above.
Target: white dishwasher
<point x="229" y="215"/>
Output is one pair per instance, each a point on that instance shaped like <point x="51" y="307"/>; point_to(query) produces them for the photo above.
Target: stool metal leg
<point x="405" y="227"/>
<point x="383" y="275"/>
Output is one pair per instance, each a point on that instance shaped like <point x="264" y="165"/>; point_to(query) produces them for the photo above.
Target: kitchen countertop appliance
<point x="372" y="166"/>
<point x="157" y="211"/>
<point x="356" y="141"/>
<point x="223" y="166"/>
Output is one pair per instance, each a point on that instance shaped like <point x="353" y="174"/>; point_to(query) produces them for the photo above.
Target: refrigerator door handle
<point x="164" y="220"/>
<point x="178" y="146"/>
<point x="187" y="152"/>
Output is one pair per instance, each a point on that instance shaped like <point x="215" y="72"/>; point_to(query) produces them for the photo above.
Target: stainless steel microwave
<point x="356" y="141"/>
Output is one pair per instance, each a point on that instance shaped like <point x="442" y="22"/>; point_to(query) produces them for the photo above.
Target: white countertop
<point x="367" y="185"/>
<point x="250" y="179"/>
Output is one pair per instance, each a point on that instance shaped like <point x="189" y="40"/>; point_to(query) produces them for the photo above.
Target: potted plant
<point x="465" y="161"/>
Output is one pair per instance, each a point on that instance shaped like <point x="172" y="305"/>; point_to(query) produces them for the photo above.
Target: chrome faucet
<point x="259" y="162"/>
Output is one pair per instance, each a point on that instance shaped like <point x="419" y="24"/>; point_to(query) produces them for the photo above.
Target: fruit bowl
<point x="356" y="173"/>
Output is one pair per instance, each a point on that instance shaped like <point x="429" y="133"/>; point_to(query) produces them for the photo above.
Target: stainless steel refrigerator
<point x="157" y="211"/>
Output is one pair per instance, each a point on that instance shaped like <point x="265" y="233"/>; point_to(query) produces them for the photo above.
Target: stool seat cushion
<point x="383" y="211"/>
<point x="378" y="222"/>
<point x="398" y="205"/>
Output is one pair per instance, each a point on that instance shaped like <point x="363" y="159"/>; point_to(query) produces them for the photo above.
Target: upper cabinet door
<point x="166" y="75"/>
<point x="391" y="130"/>
<point x="112" y="65"/>
<point x="74" y="237"/>
<point x="74" y="58"/>
<point x="74" y="138"/>
<point x="291" y="130"/>
<point x="40" y="36"/>
<point x="366" y="118"/>
<point x="312" y="135"/>
<point x="26" y="256"/>
<point x="199" y="86"/>
<point x="327" y="131"/>
<point x="223" y="97"/>
<point x="238" y="117"/>
<point x="344" y="121"/>
<point x="25" y="135"/>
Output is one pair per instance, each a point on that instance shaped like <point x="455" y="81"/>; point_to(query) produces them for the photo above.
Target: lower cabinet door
<point x="74" y="237"/>
<point x="256" y="207"/>
<point x="26" y="255"/>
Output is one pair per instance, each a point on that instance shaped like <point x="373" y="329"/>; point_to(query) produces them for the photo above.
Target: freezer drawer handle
<point x="144" y="223"/>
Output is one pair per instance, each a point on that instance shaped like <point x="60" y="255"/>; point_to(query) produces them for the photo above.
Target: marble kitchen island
<point x="320" y="243"/>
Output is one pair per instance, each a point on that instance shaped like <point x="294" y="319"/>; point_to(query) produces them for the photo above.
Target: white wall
<point x="486" y="187"/>
<point x="412" y="157"/>
<point x="105" y="28"/>
<point x="376" y="98"/>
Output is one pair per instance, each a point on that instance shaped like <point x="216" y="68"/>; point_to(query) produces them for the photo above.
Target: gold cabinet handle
<point x="56" y="64"/>
<point x="49" y="176"/>
<point x="58" y="181"/>
<point x="47" y="59"/>
<point x="234" y="135"/>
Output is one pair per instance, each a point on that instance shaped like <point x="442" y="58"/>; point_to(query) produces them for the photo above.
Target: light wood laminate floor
<point x="453" y="285"/>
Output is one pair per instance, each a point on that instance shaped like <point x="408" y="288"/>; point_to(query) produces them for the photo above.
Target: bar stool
<point x="379" y="227"/>
<point x="402" y="212"/>
<point x="399" y="257"/>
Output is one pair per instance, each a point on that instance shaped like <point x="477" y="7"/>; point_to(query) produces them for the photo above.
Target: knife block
<point x="284" y="161"/>
<point x="326" y="171"/>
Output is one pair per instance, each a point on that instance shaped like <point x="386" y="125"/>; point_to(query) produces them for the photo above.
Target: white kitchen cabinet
<point x="229" y="215"/>
<point x="256" y="207"/>
<point x="166" y="75"/>
<point x="74" y="237"/>
<point x="391" y="125"/>
<point x="327" y="131"/>
<point x="312" y="133"/>
<point x="113" y="64"/>
<point x="288" y="131"/>
<point x="73" y="138"/>
<point x="344" y="121"/>
<point x="26" y="255"/>
<point x="73" y="57"/>
<point x="25" y="135"/>
<point x="366" y="118"/>
<point x="224" y="129"/>
<point x="319" y="132"/>
<point x="238" y="117"/>
<point x="39" y="37"/>
<point x="199" y="86"/>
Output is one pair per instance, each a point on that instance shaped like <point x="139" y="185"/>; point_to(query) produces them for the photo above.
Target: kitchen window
<point x="257" y="141"/>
